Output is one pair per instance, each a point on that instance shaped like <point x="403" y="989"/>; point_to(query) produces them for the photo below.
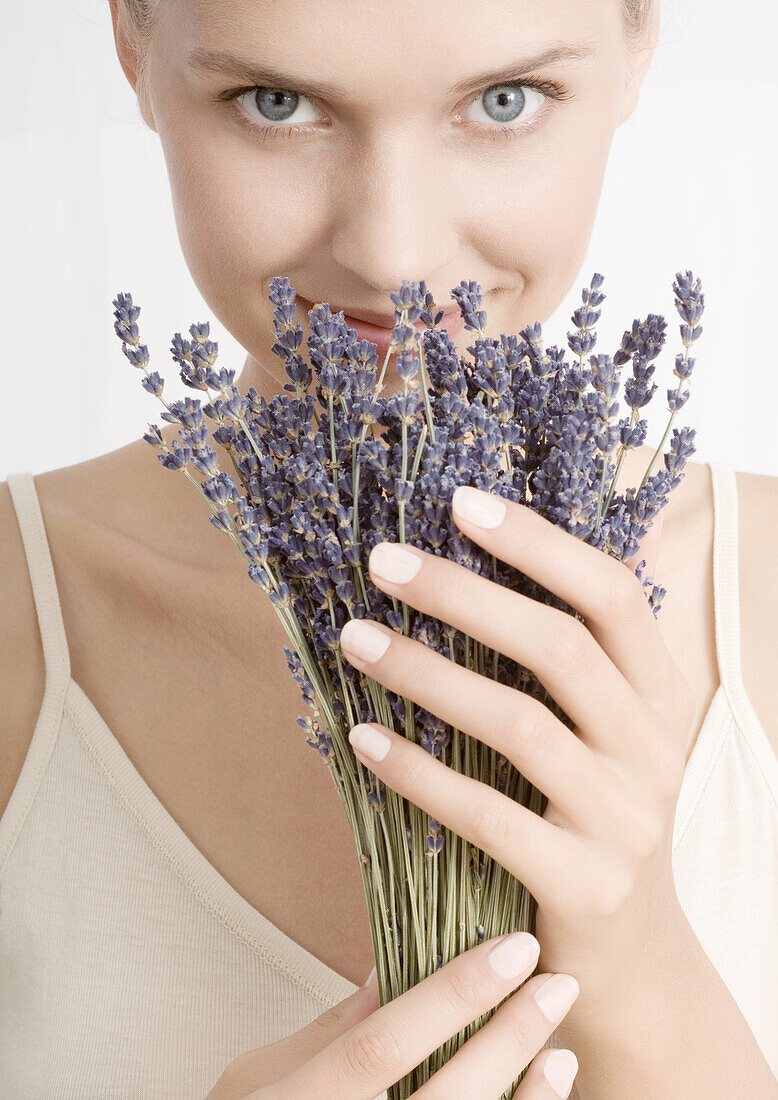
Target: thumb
<point x="648" y="549"/>
<point x="271" y="1063"/>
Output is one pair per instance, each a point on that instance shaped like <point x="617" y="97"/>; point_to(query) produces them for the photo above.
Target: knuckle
<point x="665" y="754"/>
<point x="463" y="991"/>
<point x="669" y="764"/>
<point x="679" y="704"/>
<point x="525" y="723"/>
<point x="369" y="1051"/>
<point x="491" y="822"/>
<point x="329" y="1019"/>
<point x="545" y="535"/>
<point x="647" y="836"/>
<point x="624" y="594"/>
<point x="416" y="770"/>
<point x="448" y="584"/>
<point x="614" y="888"/>
<point x="521" y="1036"/>
<point x="572" y="646"/>
<point x="425" y="666"/>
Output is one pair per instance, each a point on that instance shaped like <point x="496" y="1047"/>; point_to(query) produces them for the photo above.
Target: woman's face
<point x="428" y="155"/>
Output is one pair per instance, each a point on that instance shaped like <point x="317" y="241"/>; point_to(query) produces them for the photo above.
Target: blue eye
<point x="504" y="103"/>
<point x="277" y="105"/>
<point x="507" y="102"/>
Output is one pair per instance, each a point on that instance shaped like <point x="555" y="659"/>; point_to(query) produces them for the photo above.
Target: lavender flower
<point x="309" y="494"/>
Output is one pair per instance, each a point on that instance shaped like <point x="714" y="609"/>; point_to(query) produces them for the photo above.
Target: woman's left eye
<point x="515" y="107"/>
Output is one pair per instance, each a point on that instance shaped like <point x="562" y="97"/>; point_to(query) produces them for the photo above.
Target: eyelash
<point x="549" y="88"/>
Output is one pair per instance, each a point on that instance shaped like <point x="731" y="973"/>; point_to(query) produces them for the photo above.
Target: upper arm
<point x="22" y="666"/>
<point x="758" y="539"/>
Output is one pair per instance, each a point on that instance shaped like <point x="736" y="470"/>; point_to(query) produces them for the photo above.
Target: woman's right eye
<point x="270" y="108"/>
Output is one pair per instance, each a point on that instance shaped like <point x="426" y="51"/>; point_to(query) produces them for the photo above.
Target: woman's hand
<point x="356" y="1050"/>
<point x="598" y="861"/>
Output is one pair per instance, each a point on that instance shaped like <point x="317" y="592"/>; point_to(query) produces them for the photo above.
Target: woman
<point x="149" y="867"/>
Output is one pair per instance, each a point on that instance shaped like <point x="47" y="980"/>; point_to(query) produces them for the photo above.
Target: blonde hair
<point x="140" y="20"/>
<point x="139" y="27"/>
<point x="637" y="17"/>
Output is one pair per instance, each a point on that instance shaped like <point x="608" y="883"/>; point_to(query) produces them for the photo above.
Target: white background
<point x="85" y="212"/>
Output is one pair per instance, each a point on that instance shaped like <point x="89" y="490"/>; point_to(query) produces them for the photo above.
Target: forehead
<point x="346" y="45"/>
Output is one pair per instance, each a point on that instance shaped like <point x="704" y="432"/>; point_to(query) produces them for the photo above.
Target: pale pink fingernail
<point x="556" y="995"/>
<point x="559" y="1069"/>
<point x="483" y="509"/>
<point x="365" y="641"/>
<point x="371" y="742"/>
<point x="394" y="562"/>
<point x="513" y="955"/>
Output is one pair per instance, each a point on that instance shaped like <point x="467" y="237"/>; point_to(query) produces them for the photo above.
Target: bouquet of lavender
<point x="314" y="488"/>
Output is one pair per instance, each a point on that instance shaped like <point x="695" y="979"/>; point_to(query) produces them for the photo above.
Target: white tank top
<point x="129" y="967"/>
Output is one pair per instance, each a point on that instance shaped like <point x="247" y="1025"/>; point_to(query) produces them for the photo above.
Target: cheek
<point x="241" y="210"/>
<point x="543" y="211"/>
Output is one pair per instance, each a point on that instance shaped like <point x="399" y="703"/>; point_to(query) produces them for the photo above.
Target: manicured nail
<point x="514" y="955"/>
<point x="363" y="640"/>
<point x="556" y="995"/>
<point x="559" y="1069"/>
<point x="371" y="742"/>
<point x="371" y="979"/>
<point x="394" y="563"/>
<point x="483" y="509"/>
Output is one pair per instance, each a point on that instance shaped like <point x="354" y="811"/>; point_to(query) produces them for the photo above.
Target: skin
<point x="426" y="197"/>
<point x="350" y="245"/>
<point x="423" y="199"/>
<point x="598" y="861"/>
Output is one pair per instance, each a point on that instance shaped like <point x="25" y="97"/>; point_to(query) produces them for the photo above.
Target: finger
<point x="607" y="594"/>
<point x="649" y="549"/>
<point x="326" y="1027"/>
<point x="558" y="648"/>
<point x="578" y="781"/>
<point x="392" y="1041"/>
<point x="551" y="1074"/>
<point x="551" y="862"/>
<point x="267" y="1064"/>
<point x="487" y="1064"/>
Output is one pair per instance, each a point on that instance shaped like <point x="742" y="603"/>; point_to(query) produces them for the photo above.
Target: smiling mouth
<point x="374" y="319"/>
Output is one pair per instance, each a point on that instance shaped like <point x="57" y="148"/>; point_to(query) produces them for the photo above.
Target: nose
<point x="395" y="217"/>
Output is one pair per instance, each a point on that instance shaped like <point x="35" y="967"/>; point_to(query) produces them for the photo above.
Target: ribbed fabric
<point x="130" y="968"/>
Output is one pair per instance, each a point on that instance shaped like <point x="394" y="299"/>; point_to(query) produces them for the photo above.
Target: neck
<point x="268" y="382"/>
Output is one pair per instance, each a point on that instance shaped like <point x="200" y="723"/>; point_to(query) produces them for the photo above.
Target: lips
<point x="371" y="317"/>
<point x="381" y="334"/>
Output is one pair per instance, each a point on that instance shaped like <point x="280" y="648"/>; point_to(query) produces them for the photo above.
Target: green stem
<point x="425" y="394"/>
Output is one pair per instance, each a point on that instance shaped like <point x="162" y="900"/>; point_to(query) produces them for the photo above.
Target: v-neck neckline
<point x="197" y="873"/>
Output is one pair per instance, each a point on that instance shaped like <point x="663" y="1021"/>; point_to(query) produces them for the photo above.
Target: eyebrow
<point x="230" y="65"/>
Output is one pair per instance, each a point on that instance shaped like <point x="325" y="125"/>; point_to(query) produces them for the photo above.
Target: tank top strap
<point x="44" y="585"/>
<point x="726" y="586"/>
<point x="726" y="575"/>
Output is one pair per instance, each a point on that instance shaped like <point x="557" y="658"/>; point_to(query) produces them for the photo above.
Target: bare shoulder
<point x="74" y="500"/>
<point x="758" y="537"/>
<point x="22" y="668"/>
<point x="128" y="541"/>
